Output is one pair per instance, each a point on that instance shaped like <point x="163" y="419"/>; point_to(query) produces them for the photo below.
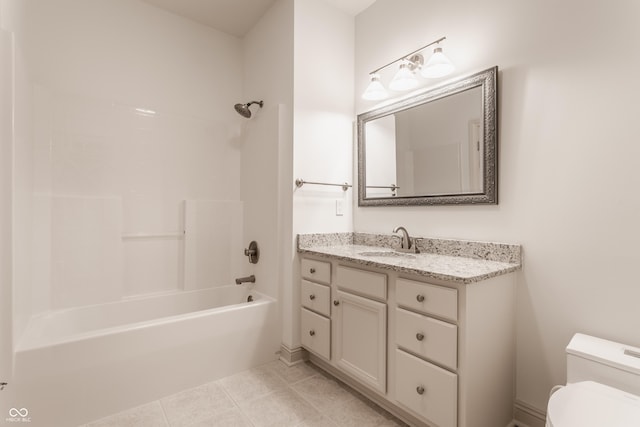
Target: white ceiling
<point x="352" y="7"/>
<point x="237" y="17"/>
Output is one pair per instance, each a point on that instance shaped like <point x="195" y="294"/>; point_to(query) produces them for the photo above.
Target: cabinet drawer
<point x="316" y="297"/>
<point x="362" y="282"/>
<point x="318" y="271"/>
<point x="315" y="333"/>
<point x="426" y="298"/>
<point x="426" y="389"/>
<point x="427" y="337"/>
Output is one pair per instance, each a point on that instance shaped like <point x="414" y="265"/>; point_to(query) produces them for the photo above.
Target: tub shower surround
<point x="459" y="261"/>
<point x="428" y="336"/>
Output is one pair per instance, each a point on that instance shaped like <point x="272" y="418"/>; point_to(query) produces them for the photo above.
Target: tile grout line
<point x="164" y="413"/>
<point x="296" y="393"/>
<point x="355" y="395"/>
<point x="288" y="386"/>
<point x="278" y="375"/>
<point x="322" y="414"/>
<point x="322" y="411"/>
<point x="235" y="404"/>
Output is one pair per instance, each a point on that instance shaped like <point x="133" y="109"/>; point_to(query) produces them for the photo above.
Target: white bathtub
<point x="80" y="364"/>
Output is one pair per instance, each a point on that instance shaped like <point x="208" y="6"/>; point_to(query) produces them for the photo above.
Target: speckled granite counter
<point x="452" y="260"/>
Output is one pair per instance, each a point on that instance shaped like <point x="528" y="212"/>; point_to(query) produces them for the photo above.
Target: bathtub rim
<point x="25" y="344"/>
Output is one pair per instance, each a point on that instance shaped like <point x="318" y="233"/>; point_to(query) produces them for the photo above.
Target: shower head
<point x="243" y="109"/>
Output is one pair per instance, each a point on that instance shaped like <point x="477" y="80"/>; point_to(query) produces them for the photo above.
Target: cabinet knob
<point x="312" y="270"/>
<point x="420" y="298"/>
<point x="312" y="332"/>
<point x="312" y="297"/>
<point x="336" y="302"/>
<point x="419" y="336"/>
<point x="420" y="389"/>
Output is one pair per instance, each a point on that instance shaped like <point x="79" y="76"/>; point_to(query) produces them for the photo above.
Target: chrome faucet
<point x="250" y="279"/>
<point x="406" y="241"/>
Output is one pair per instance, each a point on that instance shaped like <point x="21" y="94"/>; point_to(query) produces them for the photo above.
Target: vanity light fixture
<point x="375" y="91"/>
<point x="405" y="78"/>
<point x="438" y="65"/>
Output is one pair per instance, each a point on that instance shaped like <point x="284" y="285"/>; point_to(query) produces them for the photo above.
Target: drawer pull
<point x="312" y="270"/>
<point x="312" y="332"/>
<point x="336" y="302"/>
<point x="312" y="297"/>
<point x="420" y="298"/>
<point x="420" y="389"/>
<point x="419" y="336"/>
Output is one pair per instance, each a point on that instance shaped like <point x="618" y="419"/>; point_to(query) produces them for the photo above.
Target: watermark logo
<point x="18" y="416"/>
<point x="23" y="412"/>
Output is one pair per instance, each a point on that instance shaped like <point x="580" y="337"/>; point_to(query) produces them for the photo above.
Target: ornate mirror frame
<point x="487" y="80"/>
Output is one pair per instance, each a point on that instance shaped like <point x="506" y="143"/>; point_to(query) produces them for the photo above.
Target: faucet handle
<point x="406" y="245"/>
<point x="252" y="252"/>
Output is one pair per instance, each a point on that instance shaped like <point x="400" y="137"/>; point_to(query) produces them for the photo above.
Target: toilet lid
<point x="590" y="404"/>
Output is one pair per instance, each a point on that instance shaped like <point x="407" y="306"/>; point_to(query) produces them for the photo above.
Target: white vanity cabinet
<point x="435" y="353"/>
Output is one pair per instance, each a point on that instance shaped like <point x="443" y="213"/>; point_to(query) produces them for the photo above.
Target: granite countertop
<point x="456" y="261"/>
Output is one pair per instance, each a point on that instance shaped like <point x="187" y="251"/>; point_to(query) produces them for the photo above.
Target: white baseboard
<point x="528" y="416"/>
<point x="293" y="356"/>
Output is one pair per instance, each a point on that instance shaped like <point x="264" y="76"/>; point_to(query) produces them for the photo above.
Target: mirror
<point x="438" y="147"/>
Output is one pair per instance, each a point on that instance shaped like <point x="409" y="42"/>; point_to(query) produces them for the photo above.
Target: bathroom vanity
<point x="428" y="336"/>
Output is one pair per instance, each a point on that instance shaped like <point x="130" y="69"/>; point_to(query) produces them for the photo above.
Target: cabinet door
<point x="361" y="339"/>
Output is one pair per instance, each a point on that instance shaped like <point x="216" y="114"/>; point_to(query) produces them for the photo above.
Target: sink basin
<point x="388" y="254"/>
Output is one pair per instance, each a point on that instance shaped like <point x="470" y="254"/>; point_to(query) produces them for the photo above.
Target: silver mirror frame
<point x="486" y="79"/>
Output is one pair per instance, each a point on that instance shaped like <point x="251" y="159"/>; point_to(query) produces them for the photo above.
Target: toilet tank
<point x="606" y="362"/>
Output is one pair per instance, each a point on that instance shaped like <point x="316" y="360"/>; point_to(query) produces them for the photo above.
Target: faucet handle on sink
<point x="406" y="245"/>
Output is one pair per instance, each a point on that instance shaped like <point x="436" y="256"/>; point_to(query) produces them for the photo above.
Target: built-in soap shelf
<point x="167" y="235"/>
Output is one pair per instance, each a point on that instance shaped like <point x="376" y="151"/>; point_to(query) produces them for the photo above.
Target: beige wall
<point x="568" y="159"/>
<point x="268" y="76"/>
<point x="300" y="56"/>
<point x="323" y="123"/>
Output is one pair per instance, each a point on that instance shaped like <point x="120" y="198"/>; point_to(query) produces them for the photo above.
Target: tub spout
<point x="241" y="280"/>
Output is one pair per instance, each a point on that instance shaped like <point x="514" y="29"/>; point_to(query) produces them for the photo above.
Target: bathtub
<point x="80" y="364"/>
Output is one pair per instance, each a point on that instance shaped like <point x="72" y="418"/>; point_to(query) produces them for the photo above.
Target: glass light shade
<point x="375" y="91"/>
<point x="437" y="66"/>
<point x="404" y="79"/>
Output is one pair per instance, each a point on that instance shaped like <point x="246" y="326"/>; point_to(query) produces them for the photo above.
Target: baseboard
<point x="528" y="416"/>
<point x="293" y="356"/>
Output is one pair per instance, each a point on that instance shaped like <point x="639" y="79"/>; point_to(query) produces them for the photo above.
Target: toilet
<point x="603" y="386"/>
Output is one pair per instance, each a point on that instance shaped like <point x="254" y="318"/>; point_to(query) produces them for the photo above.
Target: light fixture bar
<point x="408" y="55"/>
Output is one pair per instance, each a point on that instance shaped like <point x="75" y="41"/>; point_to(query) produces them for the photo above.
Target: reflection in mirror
<point x="436" y="148"/>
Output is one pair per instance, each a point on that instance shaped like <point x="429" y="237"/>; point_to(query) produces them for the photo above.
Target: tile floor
<point x="269" y="395"/>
